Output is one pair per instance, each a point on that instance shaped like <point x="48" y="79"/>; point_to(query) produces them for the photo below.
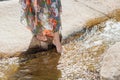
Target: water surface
<point x="80" y="61"/>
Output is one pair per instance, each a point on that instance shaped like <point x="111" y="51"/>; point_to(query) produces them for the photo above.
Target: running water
<point x="80" y="61"/>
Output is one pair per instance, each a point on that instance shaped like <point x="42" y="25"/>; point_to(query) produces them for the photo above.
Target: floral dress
<point x="41" y="15"/>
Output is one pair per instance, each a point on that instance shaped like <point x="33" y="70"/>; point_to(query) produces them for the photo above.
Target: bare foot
<point x="57" y="43"/>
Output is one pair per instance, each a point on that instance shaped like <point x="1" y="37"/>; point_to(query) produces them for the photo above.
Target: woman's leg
<point x="56" y="42"/>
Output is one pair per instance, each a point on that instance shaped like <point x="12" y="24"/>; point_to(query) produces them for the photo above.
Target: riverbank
<point x="94" y="55"/>
<point x="86" y="57"/>
<point x="90" y="54"/>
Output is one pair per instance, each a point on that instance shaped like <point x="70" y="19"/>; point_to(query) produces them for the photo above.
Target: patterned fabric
<point x="41" y="15"/>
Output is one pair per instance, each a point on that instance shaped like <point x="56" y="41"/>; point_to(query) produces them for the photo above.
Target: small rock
<point x="110" y="69"/>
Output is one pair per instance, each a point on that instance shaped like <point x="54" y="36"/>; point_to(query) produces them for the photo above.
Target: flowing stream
<point x="80" y="61"/>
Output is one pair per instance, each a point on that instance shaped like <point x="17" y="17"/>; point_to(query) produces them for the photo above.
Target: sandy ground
<point x="14" y="37"/>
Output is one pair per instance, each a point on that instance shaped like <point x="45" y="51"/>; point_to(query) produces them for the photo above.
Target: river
<point x="81" y="59"/>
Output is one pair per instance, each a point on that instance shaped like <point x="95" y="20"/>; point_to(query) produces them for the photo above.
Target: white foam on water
<point x="110" y="34"/>
<point x="112" y="31"/>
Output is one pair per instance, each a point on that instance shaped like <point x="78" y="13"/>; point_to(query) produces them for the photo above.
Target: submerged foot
<point x="41" y="37"/>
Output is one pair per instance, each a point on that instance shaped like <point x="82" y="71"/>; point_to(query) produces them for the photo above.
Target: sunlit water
<point x="39" y="66"/>
<point x="80" y="61"/>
